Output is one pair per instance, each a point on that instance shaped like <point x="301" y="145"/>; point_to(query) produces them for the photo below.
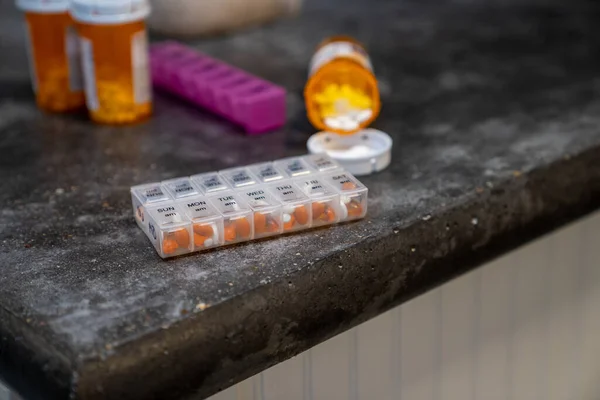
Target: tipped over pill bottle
<point x="114" y="56"/>
<point x="341" y="94"/>
<point x="53" y="51"/>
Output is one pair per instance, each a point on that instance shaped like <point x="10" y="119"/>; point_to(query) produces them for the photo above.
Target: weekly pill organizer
<point x="204" y="211"/>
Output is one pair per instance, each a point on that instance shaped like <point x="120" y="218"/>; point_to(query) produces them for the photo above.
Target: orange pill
<point x="242" y="227"/>
<point x="169" y="246"/>
<point x="328" y="215"/>
<point x="301" y="215"/>
<point x="354" y="209"/>
<point x="230" y="233"/>
<point x="182" y="237"/>
<point x="290" y="224"/>
<point x="348" y="186"/>
<point x="199" y="240"/>
<point x="317" y="209"/>
<point x="204" y="230"/>
<point x="272" y="225"/>
<point x="260" y="223"/>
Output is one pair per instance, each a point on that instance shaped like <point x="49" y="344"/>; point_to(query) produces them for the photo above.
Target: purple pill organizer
<point x="246" y="100"/>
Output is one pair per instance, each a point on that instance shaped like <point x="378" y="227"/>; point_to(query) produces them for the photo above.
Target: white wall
<point x="526" y="326"/>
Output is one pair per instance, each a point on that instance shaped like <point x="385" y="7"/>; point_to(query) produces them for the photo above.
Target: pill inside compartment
<point x="325" y="201"/>
<point x="169" y="229"/>
<point x="143" y="196"/>
<point x="266" y="211"/>
<point x="238" y="224"/>
<point x="296" y="212"/>
<point x="207" y="222"/>
<point x="353" y="195"/>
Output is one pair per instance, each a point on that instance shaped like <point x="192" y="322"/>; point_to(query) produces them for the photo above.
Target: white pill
<point x="345" y="199"/>
<point x="208" y="242"/>
<point x="215" y="233"/>
<point x="289" y="209"/>
<point x="364" y="115"/>
<point x="333" y="123"/>
<point x="347" y="124"/>
<point x="343" y="211"/>
<point x="286" y="218"/>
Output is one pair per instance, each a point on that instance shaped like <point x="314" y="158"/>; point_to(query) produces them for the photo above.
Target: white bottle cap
<point x="43" y="6"/>
<point x="361" y="153"/>
<point x="109" y="11"/>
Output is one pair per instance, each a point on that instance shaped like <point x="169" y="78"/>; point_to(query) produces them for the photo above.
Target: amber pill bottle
<point x="114" y="56"/>
<point x="341" y="94"/>
<point x="53" y="54"/>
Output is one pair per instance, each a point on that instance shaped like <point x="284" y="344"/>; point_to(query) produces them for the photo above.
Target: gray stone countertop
<point x="495" y="114"/>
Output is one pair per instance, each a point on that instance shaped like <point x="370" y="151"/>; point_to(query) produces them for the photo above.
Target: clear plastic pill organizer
<point x="199" y="212"/>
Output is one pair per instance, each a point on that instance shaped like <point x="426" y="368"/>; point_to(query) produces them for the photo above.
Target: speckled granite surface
<point x="495" y="114"/>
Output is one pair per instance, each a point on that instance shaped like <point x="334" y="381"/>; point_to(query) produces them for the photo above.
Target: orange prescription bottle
<point x="53" y="53"/>
<point x="341" y="94"/>
<point x="114" y="56"/>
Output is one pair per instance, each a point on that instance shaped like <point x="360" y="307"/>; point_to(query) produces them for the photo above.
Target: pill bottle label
<point x="338" y="49"/>
<point x="89" y="73"/>
<point x="31" y="59"/>
<point x="73" y="59"/>
<point x="141" y="74"/>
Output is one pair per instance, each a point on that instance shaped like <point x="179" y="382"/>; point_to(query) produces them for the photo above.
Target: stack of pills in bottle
<point x="91" y="46"/>
<point x="189" y="214"/>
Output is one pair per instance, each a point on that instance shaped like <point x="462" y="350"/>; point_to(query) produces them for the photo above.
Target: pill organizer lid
<point x="315" y="186"/>
<point x="287" y="192"/>
<point x="294" y="167"/>
<point x="322" y="162"/>
<point x="168" y="215"/>
<point x="198" y="207"/>
<point x="180" y="187"/>
<point x="361" y="153"/>
<point x="239" y="177"/>
<point x="339" y="179"/>
<point x="210" y="182"/>
<point x="259" y="198"/>
<point x="43" y="6"/>
<point x="267" y="172"/>
<point x="109" y="11"/>
<point x="229" y="203"/>
<point x="150" y="193"/>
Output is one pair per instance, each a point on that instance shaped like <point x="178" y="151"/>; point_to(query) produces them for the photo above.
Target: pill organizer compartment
<point x="296" y="212"/>
<point x="294" y="167"/>
<point x="169" y="230"/>
<point x="325" y="202"/>
<point x="266" y="211"/>
<point x="266" y="172"/>
<point x="237" y="217"/>
<point x="143" y="196"/>
<point x="322" y="163"/>
<point x="353" y="194"/>
<point x="239" y="178"/>
<point x="179" y="188"/>
<point x="210" y="183"/>
<point x="207" y="222"/>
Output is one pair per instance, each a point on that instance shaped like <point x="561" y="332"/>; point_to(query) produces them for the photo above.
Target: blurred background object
<point x="209" y="17"/>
